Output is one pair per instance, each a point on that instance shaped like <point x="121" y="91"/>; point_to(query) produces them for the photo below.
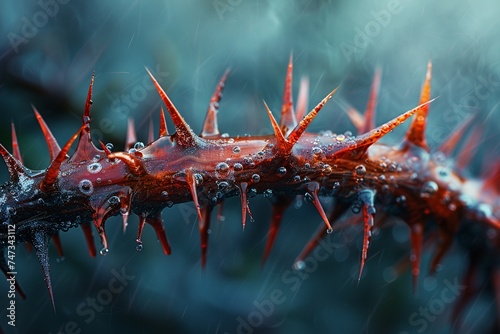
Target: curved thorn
<point x="416" y="132"/>
<point x="88" y="101"/>
<point x="133" y="163"/>
<point x="105" y="149"/>
<point x="210" y="126"/>
<point x="304" y="123"/>
<point x="183" y="133"/>
<point x="52" y="144"/>
<point x="15" y="144"/>
<point x="53" y="170"/>
<point x="288" y="120"/>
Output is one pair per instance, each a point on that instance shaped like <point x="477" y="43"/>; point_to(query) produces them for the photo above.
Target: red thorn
<point x="287" y="120"/>
<point x="85" y="149"/>
<point x="451" y="142"/>
<point x="283" y="146"/>
<point x="416" y="132"/>
<point x="105" y="149"/>
<point x="133" y="163"/>
<point x="445" y="242"/>
<point x="15" y="145"/>
<point x="154" y="219"/>
<point x="302" y="100"/>
<point x="244" y="203"/>
<point x="88" y="101"/>
<point x="163" y="124"/>
<point x="99" y="223"/>
<point x="204" y="233"/>
<point x="14" y="167"/>
<point x="366" y="140"/>
<point x="369" y="118"/>
<point x="278" y="209"/>
<point x="320" y="234"/>
<point x="465" y="155"/>
<point x="140" y="228"/>
<point x="367" y="197"/>
<point x="125" y="203"/>
<point x="210" y="126"/>
<point x="52" y="144"/>
<point x="57" y="242"/>
<point x="89" y="238"/>
<point x="191" y="180"/>
<point x="312" y="189"/>
<point x="416" y="238"/>
<point x="304" y="123"/>
<point x="131" y="137"/>
<point x="53" y="170"/>
<point x="357" y="119"/>
<point x="183" y="133"/>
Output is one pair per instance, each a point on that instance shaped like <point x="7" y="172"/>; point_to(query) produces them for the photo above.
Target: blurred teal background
<point x="48" y="51"/>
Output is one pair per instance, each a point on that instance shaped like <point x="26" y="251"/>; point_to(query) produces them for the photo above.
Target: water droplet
<point x="327" y="169"/>
<point x="139" y="145"/>
<point x="170" y="204"/>
<point x="94" y="168"/>
<point x="296" y="178"/>
<point x="222" y="185"/>
<point x="268" y="193"/>
<point x="340" y="138"/>
<point x="428" y="189"/>
<point x="252" y="193"/>
<point x="281" y="171"/>
<point x="237" y="167"/>
<point x="222" y="169"/>
<point x="307" y="165"/>
<point x="317" y="150"/>
<point x="104" y="251"/>
<point x="139" y="246"/>
<point x="336" y="185"/>
<point x="329" y="231"/>
<point x="255" y="178"/>
<point x="299" y="265"/>
<point x="308" y="198"/>
<point x="198" y="178"/>
<point x="113" y="200"/>
<point x="164" y="193"/>
<point x="355" y="208"/>
<point x="86" y="187"/>
<point x="40" y="201"/>
<point x="109" y="146"/>
<point x="236" y="149"/>
<point x="360" y="170"/>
